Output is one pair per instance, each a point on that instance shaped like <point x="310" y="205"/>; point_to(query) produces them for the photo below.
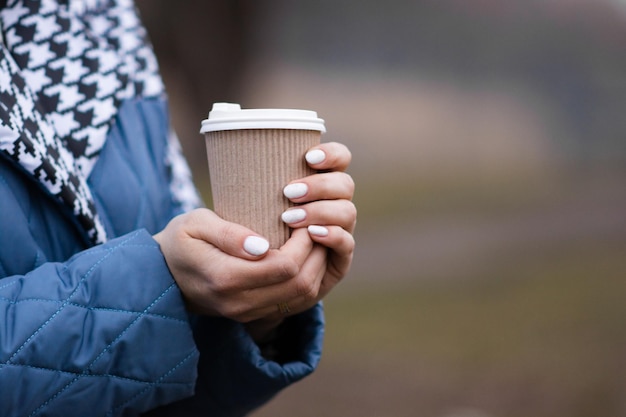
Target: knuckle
<point x="345" y="247"/>
<point x="231" y="304"/>
<point x="287" y="268"/>
<point x="341" y="153"/>
<point x="350" y="244"/>
<point x="307" y="289"/>
<point x="224" y="235"/>
<point x="182" y="223"/>
<point x="350" y="184"/>
<point x="224" y="283"/>
<point x="352" y="211"/>
<point x="193" y="217"/>
<point x="237" y="312"/>
<point x="348" y="214"/>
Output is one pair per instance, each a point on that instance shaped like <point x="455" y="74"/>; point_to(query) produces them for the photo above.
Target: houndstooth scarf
<point x="65" y="67"/>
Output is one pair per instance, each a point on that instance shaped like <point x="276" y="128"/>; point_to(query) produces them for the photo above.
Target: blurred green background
<point x="489" y="144"/>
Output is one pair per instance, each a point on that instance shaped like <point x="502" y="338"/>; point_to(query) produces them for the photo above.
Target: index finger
<point x="330" y="156"/>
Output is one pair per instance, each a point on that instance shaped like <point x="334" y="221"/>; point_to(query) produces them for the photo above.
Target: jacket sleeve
<point x="104" y="333"/>
<point x="235" y="377"/>
<point x="297" y="349"/>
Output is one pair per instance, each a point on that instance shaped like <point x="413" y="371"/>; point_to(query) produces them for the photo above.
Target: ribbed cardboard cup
<point x="252" y="155"/>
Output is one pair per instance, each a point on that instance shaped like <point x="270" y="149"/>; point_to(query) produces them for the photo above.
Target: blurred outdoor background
<point x="489" y="145"/>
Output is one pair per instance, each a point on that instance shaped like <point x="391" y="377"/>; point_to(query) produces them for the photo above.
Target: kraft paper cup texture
<point x="248" y="170"/>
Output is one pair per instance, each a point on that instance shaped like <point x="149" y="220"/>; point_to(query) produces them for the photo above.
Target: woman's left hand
<point x="324" y="207"/>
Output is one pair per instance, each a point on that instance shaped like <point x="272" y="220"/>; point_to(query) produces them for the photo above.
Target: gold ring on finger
<point x="283" y="308"/>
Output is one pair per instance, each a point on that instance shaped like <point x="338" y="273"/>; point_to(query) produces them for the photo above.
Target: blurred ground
<point x="490" y="163"/>
<point x="480" y="310"/>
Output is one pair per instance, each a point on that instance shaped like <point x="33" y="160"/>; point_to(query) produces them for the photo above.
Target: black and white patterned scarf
<point x="65" y="67"/>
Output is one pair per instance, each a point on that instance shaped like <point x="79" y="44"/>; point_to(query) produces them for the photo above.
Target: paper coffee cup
<point x="252" y="155"/>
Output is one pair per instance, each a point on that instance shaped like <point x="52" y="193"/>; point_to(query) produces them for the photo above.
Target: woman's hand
<point x="225" y="269"/>
<point x="325" y="208"/>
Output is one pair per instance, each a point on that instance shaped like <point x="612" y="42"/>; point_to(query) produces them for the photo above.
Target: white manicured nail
<point x="315" y="156"/>
<point x="293" y="215"/>
<point x="296" y="190"/>
<point x="255" y="245"/>
<point x="318" y="230"/>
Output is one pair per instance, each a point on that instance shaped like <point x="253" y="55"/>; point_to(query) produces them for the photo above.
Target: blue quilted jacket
<point x="91" y="320"/>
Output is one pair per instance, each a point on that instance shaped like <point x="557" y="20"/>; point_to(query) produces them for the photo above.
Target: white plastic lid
<point x="230" y="116"/>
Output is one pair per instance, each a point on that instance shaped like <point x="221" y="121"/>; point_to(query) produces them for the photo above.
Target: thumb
<point x="231" y="238"/>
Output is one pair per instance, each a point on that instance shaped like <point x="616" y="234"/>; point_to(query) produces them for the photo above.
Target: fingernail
<point x="293" y="215"/>
<point x="318" y="230"/>
<point x="315" y="156"/>
<point x="255" y="245"/>
<point x="296" y="190"/>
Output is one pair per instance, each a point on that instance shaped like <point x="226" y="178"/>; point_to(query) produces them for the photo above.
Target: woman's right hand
<point x="225" y="269"/>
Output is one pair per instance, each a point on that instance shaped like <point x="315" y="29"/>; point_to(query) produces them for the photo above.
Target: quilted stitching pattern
<point x="110" y="360"/>
<point x="66" y="361"/>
